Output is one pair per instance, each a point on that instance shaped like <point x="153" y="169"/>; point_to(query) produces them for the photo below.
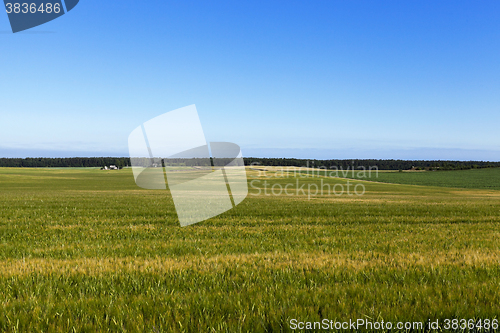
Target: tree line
<point x="367" y="163"/>
<point x="72" y="162"/>
<point x="87" y="162"/>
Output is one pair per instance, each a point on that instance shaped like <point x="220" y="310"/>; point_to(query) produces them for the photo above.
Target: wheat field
<point x="84" y="250"/>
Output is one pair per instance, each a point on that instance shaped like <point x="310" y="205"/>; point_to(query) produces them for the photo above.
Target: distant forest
<point x="339" y="164"/>
<point x="72" y="162"/>
<point x="380" y="164"/>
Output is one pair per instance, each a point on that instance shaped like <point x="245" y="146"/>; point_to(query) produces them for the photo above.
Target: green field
<point x="89" y="251"/>
<point x="474" y="178"/>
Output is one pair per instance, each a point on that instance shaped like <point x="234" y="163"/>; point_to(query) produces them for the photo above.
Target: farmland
<point x="475" y="178"/>
<point x="86" y="250"/>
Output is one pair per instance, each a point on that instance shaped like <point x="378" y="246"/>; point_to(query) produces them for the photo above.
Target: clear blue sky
<point x="322" y="79"/>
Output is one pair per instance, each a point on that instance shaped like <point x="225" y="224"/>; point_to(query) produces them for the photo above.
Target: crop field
<point x="85" y="250"/>
<point x="475" y="178"/>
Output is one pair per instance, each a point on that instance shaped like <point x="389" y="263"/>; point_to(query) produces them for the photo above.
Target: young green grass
<point x="488" y="178"/>
<point x="89" y="251"/>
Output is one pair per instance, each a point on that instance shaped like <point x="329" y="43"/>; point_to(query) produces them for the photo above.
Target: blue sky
<point x="324" y="79"/>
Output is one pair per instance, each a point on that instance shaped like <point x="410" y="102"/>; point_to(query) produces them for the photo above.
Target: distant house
<point x="111" y="167"/>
